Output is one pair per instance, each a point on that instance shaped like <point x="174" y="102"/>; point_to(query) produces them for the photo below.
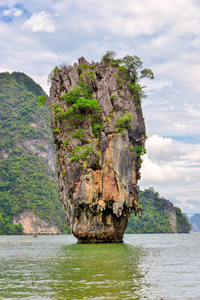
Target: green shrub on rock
<point x="124" y="121"/>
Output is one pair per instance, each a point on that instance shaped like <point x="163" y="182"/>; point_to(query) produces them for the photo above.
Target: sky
<point x="38" y="35"/>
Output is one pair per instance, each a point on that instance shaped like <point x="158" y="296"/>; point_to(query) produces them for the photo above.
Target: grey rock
<point x="98" y="192"/>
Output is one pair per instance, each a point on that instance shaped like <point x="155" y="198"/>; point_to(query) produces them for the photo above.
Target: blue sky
<point x="38" y="35"/>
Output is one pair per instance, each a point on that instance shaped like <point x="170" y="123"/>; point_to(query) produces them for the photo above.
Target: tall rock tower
<point x="99" y="133"/>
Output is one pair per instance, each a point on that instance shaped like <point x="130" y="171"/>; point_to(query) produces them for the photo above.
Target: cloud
<point x="156" y="85"/>
<point x="162" y="149"/>
<point x="173" y="169"/>
<point x="166" y="21"/>
<point x="152" y="172"/>
<point x="167" y="152"/>
<point x="156" y="166"/>
<point x="180" y="126"/>
<point x="38" y="22"/>
<point x="14" y="12"/>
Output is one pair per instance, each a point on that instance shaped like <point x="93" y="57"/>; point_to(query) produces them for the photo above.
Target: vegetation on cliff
<point x="158" y="216"/>
<point x="27" y="179"/>
<point x="183" y="225"/>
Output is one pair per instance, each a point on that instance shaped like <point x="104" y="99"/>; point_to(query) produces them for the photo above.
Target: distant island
<point x="158" y="216"/>
<point x="195" y="222"/>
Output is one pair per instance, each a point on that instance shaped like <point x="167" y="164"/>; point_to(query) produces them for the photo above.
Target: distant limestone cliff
<point x="158" y="216"/>
<point x="99" y="133"/>
<point x="28" y="194"/>
<point x="195" y="222"/>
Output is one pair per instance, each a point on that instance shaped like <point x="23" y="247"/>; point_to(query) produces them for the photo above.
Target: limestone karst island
<point x="99" y="132"/>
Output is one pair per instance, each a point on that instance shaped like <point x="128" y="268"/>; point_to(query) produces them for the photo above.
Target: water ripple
<point x="145" y="267"/>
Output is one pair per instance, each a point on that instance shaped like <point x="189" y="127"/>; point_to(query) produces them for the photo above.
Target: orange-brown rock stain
<point x="93" y="186"/>
<point x="110" y="186"/>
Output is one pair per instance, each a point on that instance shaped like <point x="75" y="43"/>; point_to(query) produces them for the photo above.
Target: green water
<point x="98" y="272"/>
<point x="47" y="269"/>
<point x="144" y="267"/>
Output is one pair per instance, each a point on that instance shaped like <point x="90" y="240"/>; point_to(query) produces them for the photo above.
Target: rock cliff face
<point x="99" y="134"/>
<point x="27" y="160"/>
<point x="195" y="222"/>
<point x="171" y="214"/>
<point x="32" y="224"/>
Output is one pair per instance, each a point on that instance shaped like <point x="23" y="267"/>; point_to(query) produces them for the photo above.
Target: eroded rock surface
<point x="98" y="150"/>
<point x="32" y="224"/>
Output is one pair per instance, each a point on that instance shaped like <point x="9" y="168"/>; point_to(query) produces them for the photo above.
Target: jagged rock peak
<point x="82" y="61"/>
<point x="99" y="132"/>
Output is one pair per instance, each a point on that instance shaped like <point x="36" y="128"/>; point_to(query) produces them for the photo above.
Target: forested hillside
<point x="158" y="216"/>
<point x="27" y="179"/>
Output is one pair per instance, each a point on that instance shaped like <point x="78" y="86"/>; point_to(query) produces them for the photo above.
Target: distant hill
<point x="186" y="216"/>
<point x="158" y="216"/>
<point x="28" y="193"/>
<point x="195" y="222"/>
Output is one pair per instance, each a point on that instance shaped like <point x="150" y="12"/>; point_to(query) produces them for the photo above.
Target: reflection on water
<point x="46" y="269"/>
<point x="107" y="271"/>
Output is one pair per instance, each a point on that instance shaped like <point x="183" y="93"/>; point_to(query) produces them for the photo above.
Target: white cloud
<point x="41" y="21"/>
<point x="166" y="151"/>
<point x="152" y="172"/>
<point x="162" y="149"/>
<point x="156" y="166"/>
<point x="12" y="12"/>
<point x="180" y="126"/>
<point x="191" y="153"/>
<point x="41" y="79"/>
<point x="196" y="42"/>
<point x="133" y="18"/>
<point x="151" y="86"/>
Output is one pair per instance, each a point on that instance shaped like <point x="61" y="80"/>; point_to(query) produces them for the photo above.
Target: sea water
<point x="153" y="266"/>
